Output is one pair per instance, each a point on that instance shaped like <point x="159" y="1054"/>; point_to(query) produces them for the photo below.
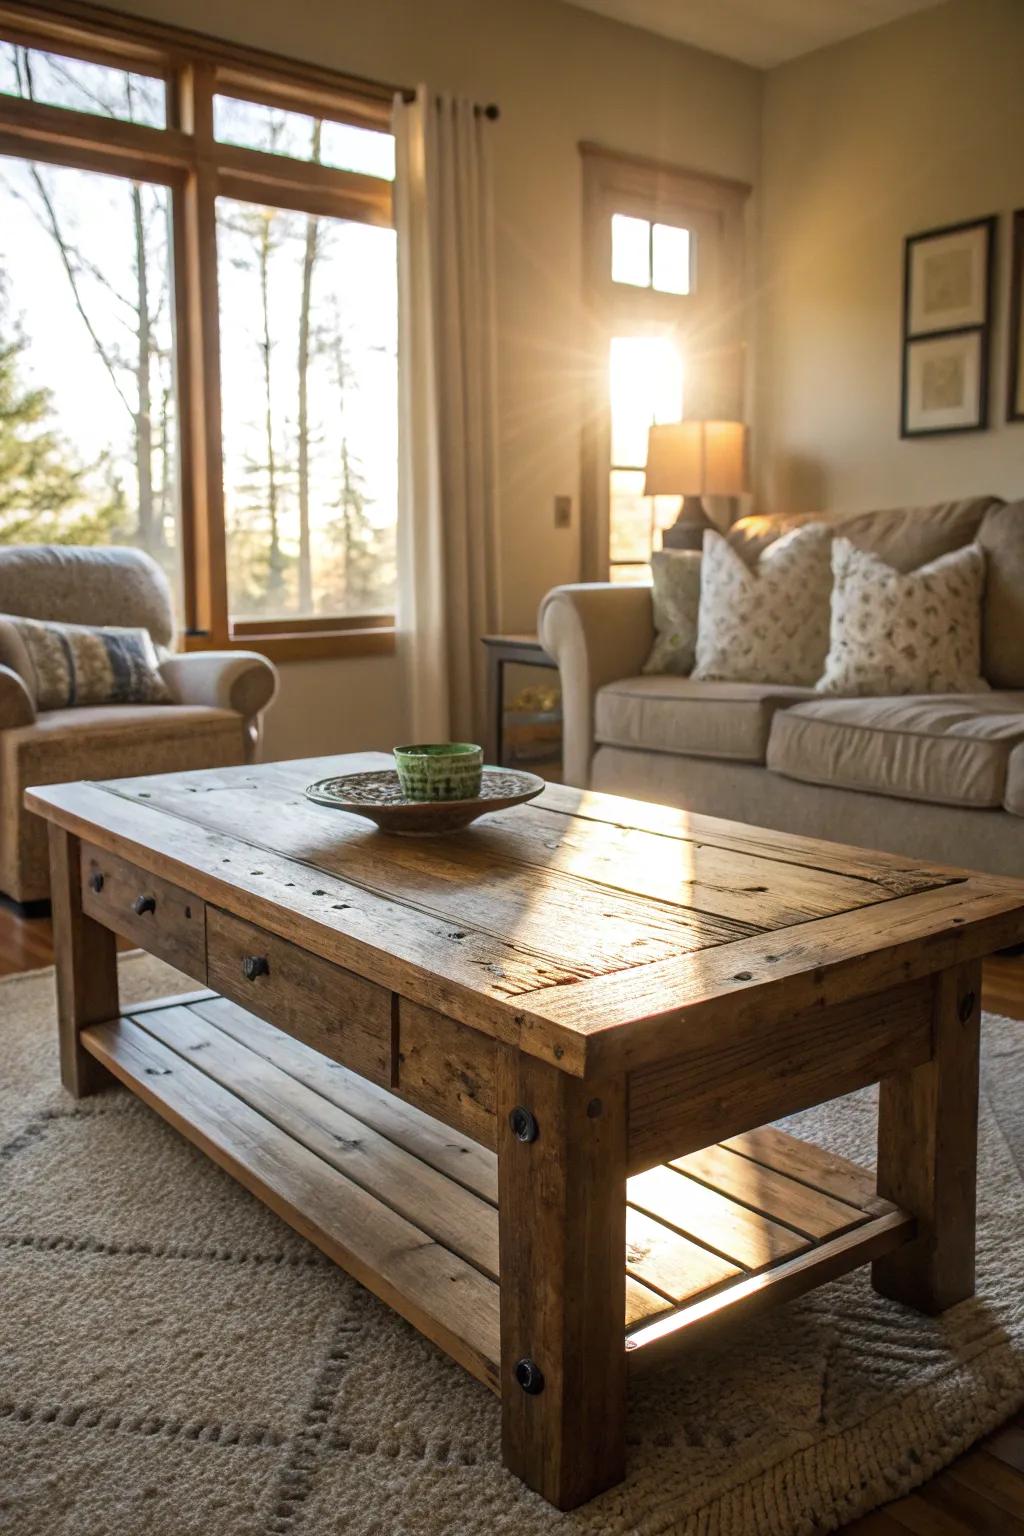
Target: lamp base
<point x="687" y="532"/>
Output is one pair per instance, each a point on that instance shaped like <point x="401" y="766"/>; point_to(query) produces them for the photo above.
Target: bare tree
<point x="142" y="307"/>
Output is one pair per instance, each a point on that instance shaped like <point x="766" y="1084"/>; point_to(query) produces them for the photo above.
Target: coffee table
<point x="517" y="1081"/>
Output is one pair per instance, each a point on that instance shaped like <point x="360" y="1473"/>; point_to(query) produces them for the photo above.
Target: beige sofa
<point x="937" y="777"/>
<point x="214" y="719"/>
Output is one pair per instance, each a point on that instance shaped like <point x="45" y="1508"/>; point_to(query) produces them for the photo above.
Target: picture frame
<point x="1015" y="348"/>
<point x="948" y="275"/>
<point x="945" y="385"/>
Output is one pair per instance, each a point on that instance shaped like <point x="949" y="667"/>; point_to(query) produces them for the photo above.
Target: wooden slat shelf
<point x="409" y="1207"/>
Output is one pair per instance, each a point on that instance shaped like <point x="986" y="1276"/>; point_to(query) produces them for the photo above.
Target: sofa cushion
<point x="1001" y="536"/>
<point x="904" y="537"/>
<point x="769" y="623"/>
<point x="912" y="633"/>
<point x="949" y="749"/>
<point x="677" y="714"/>
<point x="675" y="594"/>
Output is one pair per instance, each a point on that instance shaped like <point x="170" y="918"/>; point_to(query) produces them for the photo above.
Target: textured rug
<point x="174" y="1360"/>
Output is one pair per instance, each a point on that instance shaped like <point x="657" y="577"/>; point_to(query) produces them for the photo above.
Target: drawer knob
<point x="96" y="881"/>
<point x="255" y="965"/>
<point x="143" y="904"/>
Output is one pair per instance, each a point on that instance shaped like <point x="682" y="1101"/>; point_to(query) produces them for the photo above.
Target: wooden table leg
<point x="562" y="1226"/>
<point x="86" y="956"/>
<point x="927" y="1153"/>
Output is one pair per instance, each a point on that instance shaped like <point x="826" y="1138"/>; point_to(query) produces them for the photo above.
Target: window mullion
<point x="198" y="314"/>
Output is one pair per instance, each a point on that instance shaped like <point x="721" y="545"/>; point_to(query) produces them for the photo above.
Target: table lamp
<point x="693" y="459"/>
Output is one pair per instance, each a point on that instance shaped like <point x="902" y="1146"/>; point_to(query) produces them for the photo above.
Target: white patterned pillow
<point x="769" y="623"/>
<point x="915" y="633"/>
<point x="676" y="596"/>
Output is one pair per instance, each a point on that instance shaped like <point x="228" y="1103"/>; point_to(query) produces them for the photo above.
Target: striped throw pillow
<point x="69" y="665"/>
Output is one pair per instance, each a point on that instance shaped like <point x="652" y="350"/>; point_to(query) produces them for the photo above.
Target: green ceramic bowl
<point x="441" y="770"/>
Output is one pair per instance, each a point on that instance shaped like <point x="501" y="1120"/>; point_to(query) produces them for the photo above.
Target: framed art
<point x="1015" y="351"/>
<point x="944" y="383"/>
<point x="948" y="277"/>
<point x="947" y="324"/>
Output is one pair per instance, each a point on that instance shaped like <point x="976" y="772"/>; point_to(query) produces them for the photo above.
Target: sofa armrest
<point x="240" y="680"/>
<point x="16" y="706"/>
<point x="597" y="632"/>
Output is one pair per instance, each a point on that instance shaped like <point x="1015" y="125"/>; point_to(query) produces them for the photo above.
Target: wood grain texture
<point x="447" y="1069"/>
<point x="745" y="1078"/>
<point x="337" y="1013"/>
<point x="175" y="928"/>
<point x="446" y="1298"/>
<point x="927" y="1152"/>
<point x="445" y="1211"/>
<point x="458" y="1157"/>
<point x="562" y="1238"/>
<point x="587" y="931"/>
<point x="86" y="956"/>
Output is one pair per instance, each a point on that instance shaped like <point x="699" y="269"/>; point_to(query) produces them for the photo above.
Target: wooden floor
<point x="981" y="1494"/>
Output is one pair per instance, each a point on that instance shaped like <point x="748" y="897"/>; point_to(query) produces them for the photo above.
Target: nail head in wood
<point x="144" y="904"/>
<point x="524" y="1125"/>
<point x="255" y="965"/>
<point x="966" y="1008"/>
<point x="96" y="881"/>
<point x="529" y="1376"/>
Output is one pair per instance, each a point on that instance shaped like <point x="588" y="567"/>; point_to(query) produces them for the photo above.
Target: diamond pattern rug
<point x="174" y="1360"/>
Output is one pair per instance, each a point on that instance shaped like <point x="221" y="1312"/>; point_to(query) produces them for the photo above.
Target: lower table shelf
<point x="409" y="1207"/>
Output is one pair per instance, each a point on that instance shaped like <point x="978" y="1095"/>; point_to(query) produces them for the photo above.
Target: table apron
<point x="699" y="1097"/>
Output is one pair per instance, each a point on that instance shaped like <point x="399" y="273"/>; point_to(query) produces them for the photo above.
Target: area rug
<point x="175" y="1360"/>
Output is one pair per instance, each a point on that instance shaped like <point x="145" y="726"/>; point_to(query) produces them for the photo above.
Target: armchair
<point x="214" y="719"/>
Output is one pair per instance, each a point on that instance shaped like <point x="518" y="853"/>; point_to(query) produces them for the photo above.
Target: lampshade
<point x="697" y="458"/>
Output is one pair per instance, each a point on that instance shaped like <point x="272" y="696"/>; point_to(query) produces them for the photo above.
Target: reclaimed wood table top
<point x="596" y="933"/>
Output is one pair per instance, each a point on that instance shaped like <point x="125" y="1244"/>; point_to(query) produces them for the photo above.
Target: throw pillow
<point x="73" y="664"/>
<point x="895" y="633"/>
<point x="767" y="623"/>
<point x="676" y="595"/>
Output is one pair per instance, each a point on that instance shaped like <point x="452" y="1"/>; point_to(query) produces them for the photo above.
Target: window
<point x="649" y="255"/>
<point x="645" y="385"/>
<point x="198" y="325"/>
<point x="663" y="260"/>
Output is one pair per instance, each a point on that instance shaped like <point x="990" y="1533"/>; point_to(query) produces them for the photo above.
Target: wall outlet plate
<point x="563" y="511"/>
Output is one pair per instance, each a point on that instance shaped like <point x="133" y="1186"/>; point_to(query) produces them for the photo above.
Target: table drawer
<point x="151" y="912"/>
<point x="334" y="1011"/>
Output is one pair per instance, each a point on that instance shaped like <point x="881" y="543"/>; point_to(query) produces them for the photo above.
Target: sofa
<point x="213" y="719"/>
<point x="938" y="777"/>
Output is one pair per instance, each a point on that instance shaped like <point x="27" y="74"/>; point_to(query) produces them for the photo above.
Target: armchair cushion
<point x="76" y="664"/>
<point x="240" y="680"/>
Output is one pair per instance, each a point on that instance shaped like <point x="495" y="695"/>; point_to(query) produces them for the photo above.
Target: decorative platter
<point x="378" y="796"/>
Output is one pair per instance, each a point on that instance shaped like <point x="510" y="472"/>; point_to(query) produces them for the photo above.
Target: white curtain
<point x="447" y="500"/>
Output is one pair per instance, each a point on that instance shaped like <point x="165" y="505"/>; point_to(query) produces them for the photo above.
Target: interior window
<point x="645" y="386"/>
<point x="650" y="255"/>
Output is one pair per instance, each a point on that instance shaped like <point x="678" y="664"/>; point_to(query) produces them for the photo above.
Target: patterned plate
<point x="378" y="795"/>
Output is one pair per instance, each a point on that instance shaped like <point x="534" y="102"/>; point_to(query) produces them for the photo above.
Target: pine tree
<point x="45" y="495"/>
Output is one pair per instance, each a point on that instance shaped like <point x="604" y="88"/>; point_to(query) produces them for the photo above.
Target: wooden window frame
<point x="185" y="157"/>
<point x="713" y="311"/>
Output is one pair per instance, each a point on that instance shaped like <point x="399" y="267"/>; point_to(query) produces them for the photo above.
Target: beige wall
<point x="915" y="125"/>
<point x="559" y="75"/>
